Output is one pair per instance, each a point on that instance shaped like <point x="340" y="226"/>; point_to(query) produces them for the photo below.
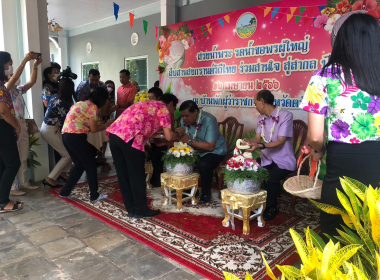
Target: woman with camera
<point x="59" y="106"/>
<point x="17" y="91"/>
<point x="81" y="119"/>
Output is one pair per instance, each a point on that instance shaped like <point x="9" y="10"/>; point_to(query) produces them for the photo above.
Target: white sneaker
<point x="101" y="196"/>
<point x="17" y="192"/>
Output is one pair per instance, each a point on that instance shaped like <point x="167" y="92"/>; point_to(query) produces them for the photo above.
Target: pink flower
<point x="312" y="108"/>
<point x="354" y="140"/>
<point x="321" y="21"/>
<point x="162" y="40"/>
<point x="172" y="37"/>
<point x="190" y="41"/>
<point x="368" y="6"/>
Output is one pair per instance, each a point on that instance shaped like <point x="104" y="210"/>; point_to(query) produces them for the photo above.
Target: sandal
<point x="17" y="205"/>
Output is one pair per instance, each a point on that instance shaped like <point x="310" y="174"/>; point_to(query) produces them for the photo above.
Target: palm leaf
<point x="335" y="211"/>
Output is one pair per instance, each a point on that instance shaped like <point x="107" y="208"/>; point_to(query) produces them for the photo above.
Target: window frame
<point x="88" y="63"/>
<point x="147" y="65"/>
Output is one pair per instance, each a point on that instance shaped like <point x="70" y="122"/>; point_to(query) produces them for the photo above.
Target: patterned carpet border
<point x="143" y="231"/>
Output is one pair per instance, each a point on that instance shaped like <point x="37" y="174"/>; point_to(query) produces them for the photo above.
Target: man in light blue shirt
<point x="201" y="131"/>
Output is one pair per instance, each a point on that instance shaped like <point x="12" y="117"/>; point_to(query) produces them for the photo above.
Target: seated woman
<point x="59" y="106"/>
<point x="201" y="131"/>
<point x="79" y="121"/>
<point x="277" y="149"/>
<point x="128" y="135"/>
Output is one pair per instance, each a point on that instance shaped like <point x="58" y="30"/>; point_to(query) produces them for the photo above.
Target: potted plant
<point x="180" y="159"/>
<point x="242" y="172"/>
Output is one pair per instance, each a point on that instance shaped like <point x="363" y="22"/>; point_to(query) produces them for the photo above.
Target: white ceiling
<point x="74" y="13"/>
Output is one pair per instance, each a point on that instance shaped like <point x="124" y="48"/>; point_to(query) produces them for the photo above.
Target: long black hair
<point x="357" y="49"/>
<point x="66" y="90"/>
<point x="5" y="57"/>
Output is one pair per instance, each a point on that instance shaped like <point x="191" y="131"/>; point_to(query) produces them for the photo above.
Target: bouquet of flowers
<point x="181" y="153"/>
<point x="243" y="166"/>
<point x="141" y="96"/>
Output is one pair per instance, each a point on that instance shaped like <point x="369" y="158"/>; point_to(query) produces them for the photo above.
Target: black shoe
<point x="270" y="213"/>
<point x="131" y="215"/>
<point x="205" y="198"/>
<point x="149" y="213"/>
<point x="46" y="183"/>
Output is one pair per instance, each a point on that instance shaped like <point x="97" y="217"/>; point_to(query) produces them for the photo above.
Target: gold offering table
<point x="149" y="173"/>
<point x="179" y="184"/>
<point x="244" y="203"/>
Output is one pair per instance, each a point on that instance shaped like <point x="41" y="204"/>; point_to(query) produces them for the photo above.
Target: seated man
<point x="200" y="130"/>
<point x="275" y="131"/>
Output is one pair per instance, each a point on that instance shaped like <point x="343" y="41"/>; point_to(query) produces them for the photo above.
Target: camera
<point x="67" y="73"/>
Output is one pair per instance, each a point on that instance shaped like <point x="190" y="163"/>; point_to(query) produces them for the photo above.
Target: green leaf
<point x="358" y="188"/>
<point x="165" y="31"/>
<point x="317" y="240"/>
<point x="261" y="174"/>
<point x="169" y="89"/>
<point x="171" y="160"/>
<point x="183" y="28"/>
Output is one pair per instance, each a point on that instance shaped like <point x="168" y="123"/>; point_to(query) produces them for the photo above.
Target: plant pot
<point x="180" y="169"/>
<point x="246" y="186"/>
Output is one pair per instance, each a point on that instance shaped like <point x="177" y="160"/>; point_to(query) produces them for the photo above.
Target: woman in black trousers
<point x="79" y="121"/>
<point x="9" y="131"/>
<point x="342" y="96"/>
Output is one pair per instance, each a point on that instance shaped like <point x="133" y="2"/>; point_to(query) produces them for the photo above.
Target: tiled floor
<point x="50" y="239"/>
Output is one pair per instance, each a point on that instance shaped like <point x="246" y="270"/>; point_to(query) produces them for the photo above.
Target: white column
<point x="168" y="12"/>
<point x="63" y="42"/>
<point x="36" y="38"/>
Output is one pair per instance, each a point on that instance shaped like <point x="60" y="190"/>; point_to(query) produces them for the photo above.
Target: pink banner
<point x="222" y="61"/>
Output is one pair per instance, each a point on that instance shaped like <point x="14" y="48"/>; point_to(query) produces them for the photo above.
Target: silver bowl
<point x="180" y="169"/>
<point x="246" y="186"/>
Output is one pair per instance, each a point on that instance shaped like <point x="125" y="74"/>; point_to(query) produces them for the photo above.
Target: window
<point x="86" y="67"/>
<point x="138" y="66"/>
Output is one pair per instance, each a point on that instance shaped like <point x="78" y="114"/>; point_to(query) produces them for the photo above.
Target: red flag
<point x="131" y="19"/>
<point x="311" y="10"/>
<point x="280" y="16"/>
<point x="260" y="9"/>
<point x="306" y="20"/>
<point x="233" y="14"/>
<point x="156" y="32"/>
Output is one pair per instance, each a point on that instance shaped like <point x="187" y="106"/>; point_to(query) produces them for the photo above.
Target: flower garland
<point x="197" y="126"/>
<point x="276" y="119"/>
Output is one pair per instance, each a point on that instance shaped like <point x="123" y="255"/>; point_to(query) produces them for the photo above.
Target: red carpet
<point x="200" y="242"/>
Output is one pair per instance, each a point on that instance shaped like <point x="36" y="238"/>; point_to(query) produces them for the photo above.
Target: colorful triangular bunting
<point x="288" y="17"/>
<point x="156" y="31"/>
<point x="280" y="16"/>
<point x="306" y="20"/>
<point x="311" y="10"/>
<point x="116" y="10"/>
<point x="208" y="25"/>
<point x="292" y="10"/>
<point x="227" y="18"/>
<point x="267" y="10"/>
<point x="321" y="8"/>
<point x="275" y="11"/>
<point x="298" y="19"/>
<point x="210" y="30"/>
<point x="132" y="19"/>
<point x="204" y="33"/>
<point x="221" y="22"/>
<point x="233" y="14"/>
<point x="145" y="26"/>
<point x="302" y="10"/>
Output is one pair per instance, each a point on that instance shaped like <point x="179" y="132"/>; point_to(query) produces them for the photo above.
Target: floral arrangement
<point x="168" y="39"/>
<point x="141" y="96"/>
<point x="243" y="166"/>
<point x="337" y="8"/>
<point x="181" y="153"/>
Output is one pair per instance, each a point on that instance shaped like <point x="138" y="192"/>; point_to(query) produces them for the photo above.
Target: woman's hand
<point x="109" y="122"/>
<point x="37" y="62"/>
<point x="317" y="156"/>
<point x="28" y="57"/>
<point x="113" y="108"/>
<point x="18" y="129"/>
<point x="181" y="131"/>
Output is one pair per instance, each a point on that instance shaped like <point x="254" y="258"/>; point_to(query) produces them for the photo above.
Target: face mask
<point x="18" y="82"/>
<point x="56" y="77"/>
<point x="109" y="89"/>
<point x="9" y="71"/>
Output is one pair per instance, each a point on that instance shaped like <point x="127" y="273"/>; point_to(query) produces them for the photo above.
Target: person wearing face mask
<point x="50" y="84"/>
<point x="17" y="92"/>
<point x="111" y="90"/>
<point x="86" y="87"/>
<point x="10" y="130"/>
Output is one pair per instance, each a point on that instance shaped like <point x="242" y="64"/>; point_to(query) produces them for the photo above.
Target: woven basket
<point x="303" y="185"/>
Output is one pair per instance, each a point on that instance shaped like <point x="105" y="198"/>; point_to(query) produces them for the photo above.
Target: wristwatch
<point x="190" y="142"/>
<point x="263" y="148"/>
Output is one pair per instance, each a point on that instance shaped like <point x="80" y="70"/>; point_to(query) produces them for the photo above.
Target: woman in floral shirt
<point x="81" y="119"/>
<point x="128" y="135"/>
<point x="344" y="98"/>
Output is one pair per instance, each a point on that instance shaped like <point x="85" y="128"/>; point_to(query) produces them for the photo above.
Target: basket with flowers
<point x="180" y="159"/>
<point x="141" y="96"/>
<point x="242" y="172"/>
